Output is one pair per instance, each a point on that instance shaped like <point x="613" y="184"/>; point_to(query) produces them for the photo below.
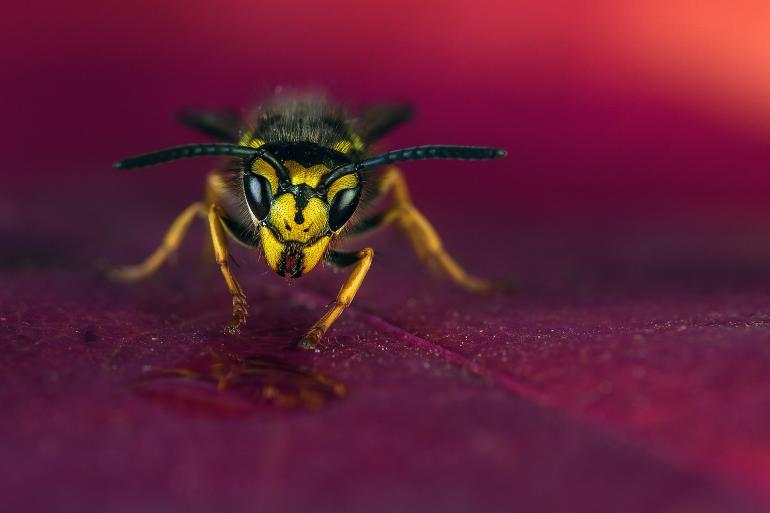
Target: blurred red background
<point x="639" y="163"/>
<point x="606" y="108"/>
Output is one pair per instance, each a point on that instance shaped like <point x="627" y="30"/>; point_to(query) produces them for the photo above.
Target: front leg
<point x="363" y="261"/>
<point x="222" y="255"/>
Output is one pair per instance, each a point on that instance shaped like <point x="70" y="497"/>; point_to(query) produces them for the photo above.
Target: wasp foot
<point x="240" y="311"/>
<point x="311" y="339"/>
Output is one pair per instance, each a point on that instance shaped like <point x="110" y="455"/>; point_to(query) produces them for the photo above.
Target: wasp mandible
<point x="295" y="180"/>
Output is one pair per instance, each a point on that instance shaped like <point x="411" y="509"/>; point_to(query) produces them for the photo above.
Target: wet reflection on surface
<point x="226" y="383"/>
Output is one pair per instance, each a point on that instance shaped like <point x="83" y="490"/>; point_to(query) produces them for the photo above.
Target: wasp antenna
<point x="280" y="169"/>
<point x="186" y="151"/>
<point x="433" y="152"/>
<point x="445" y="152"/>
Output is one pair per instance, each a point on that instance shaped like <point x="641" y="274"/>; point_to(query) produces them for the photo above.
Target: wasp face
<point x="299" y="214"/>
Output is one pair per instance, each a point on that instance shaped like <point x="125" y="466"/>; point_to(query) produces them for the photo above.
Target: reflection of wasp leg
<point x="222" y="255"/>
<point x="362" y="260"/>
<point x="167" y="248"/>
<point x="426" y="242"/>
<point x="174" y="236"/>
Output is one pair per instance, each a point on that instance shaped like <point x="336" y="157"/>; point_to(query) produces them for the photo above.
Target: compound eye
<point x="343" y="206"/>
<point x="258" y="194"/>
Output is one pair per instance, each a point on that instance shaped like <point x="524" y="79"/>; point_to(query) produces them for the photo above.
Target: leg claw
<point x="239" y="316"/>
<point x="232" y="328"/>
<point x="310" y="341"/>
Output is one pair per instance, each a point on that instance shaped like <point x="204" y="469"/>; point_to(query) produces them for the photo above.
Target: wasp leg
<point x="168" y="247"/>
<point x="214" y="192"/>
<point x="426" y="242"/>
<point x="222" y="255"/>
<point x="174" y="236"/>
<point x="362" y="260"/>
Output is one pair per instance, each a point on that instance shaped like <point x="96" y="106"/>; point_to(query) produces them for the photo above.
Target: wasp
<point x="300" y="177"/>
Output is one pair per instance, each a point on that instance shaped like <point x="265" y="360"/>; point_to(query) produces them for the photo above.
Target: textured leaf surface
<point x="128" y="397"/>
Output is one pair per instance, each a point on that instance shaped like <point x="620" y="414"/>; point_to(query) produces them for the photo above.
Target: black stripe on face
<point x="302" y="195"/>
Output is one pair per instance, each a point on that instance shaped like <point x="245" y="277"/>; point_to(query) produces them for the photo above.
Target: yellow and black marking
<point x="304" y="212"/>
<point x="301" y="172"/>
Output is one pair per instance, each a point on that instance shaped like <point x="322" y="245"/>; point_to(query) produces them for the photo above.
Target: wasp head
<point x="297" y="208"/>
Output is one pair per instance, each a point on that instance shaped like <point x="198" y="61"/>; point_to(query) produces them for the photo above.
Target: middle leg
<point x="168" y="247"/>
<point x="176" y="233"/>
<point x="424" y="238"/>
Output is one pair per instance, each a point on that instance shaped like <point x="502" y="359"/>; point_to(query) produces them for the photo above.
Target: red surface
<point x="629" y="371"/>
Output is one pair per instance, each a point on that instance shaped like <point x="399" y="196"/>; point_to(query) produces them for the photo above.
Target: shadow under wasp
<point x="297" y="175"/>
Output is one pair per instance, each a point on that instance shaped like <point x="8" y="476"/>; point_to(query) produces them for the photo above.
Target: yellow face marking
<point x="343" y="182"/>
<point x="313" y="253"/>
<point x="271" y="247"/>
<point x="261" y="167"/>
<point x="308" y="175"/>
<point x="283" y="218"/>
